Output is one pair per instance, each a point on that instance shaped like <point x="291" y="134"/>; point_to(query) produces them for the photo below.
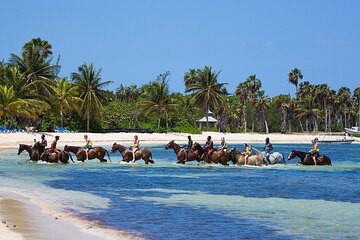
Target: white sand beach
<point x="24" y="218"/>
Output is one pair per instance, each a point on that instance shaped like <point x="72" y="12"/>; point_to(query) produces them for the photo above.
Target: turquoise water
<point x="169" y="201"/>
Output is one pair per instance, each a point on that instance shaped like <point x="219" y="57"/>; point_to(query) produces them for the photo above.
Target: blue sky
<point x="134" y="41"/>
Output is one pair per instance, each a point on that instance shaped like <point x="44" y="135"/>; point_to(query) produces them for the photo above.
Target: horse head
<point x="117" y="147"/>
<point x="170" y="144"/>
<point x="113" y="148"/>
<point x="21" y="148"/>
<point x="292" y="155"/>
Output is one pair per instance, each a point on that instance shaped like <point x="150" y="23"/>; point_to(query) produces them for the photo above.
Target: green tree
<point x="65" y="97"/>
<point x="254" y="86"/>
<point x="35" y="64"/>
<point x="307" y="109"/>
<point x="89" y="82"/>
<point x="294" y="77"/>
<point x="357" y="100"/>
<point x="283" y="103"/>
<point x="344" y="98"/>
<point x="206" y="90"/>
<point x="243" y="91"/>
<point x="262" y="103"/>
<point x="157" y="99"/>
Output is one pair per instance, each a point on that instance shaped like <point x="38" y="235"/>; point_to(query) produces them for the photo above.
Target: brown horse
<point x="306" y="159"/>
<point x="33" y="153"/>
<point x="181" y="154"/>
<point x="239" y="158"/>
<point x="217" y="156"/>
<point x="96" y="152"/>
<point x="126" y="153"/>
<point x="47" y="156"/>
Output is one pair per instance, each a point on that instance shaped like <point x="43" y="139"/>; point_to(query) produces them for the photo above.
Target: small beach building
<point x="211" y="119"/>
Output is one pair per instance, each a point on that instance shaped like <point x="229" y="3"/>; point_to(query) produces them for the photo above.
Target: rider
<point x="53" y="148"/>
<point x="247" y="151"/>
<point x="209" y="145"/>
<point x="43" y="144"/>
<point x="135" y="146"/>
<point x="268" y="148"/>
<point x="88" y="146"/>
<point x="188" y="147"/>
<point x="223" y="145"/>
<point x="314" y="151"/>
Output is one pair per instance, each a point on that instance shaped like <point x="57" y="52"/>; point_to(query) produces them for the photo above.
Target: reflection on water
<point x="169" y="201"/>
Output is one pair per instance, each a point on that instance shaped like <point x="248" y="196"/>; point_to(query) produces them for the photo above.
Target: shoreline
<point x="12" y="140"/>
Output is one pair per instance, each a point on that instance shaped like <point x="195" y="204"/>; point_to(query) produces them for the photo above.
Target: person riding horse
<point x="247" y="151"/>
<point x="209" y="146"/>
<point x="88" y="146"/>
<point x="188" y="147"/>
<point x="314" y="151"/>
<point x="53" y="148"/>
<point x="268" y="148"/>
<point x="223" y="145"/>
<point x="135" y="146"/>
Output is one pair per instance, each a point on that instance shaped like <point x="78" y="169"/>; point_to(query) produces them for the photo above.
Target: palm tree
<point x="157" y="99"/>
<point x="283" y="102"/>
<point x="294" y="77"/>
<point x="35" y="63"/>
<point x="344" y="97"/>
<point x="322" y="92"/>
<point x="11" y="106"/>
<point x="254" y="85"/>
<point x="243" y="91"/>
<point x="65" y="96"/>
<point x="306" y="109"/>
<point x="357" y="98"/>
<point x="88" y="80"/>
<point x="207" y="92"/>
<point x="262" y="103"/>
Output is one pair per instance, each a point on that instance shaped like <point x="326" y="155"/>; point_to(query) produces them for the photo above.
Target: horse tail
<point x="151" y="155"/>
<point x="108" y="155"/>
<point x="71" y="157"/>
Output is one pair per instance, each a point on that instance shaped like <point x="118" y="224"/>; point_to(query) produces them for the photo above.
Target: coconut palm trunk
<point x="244" y="117"/>
<point x="159" y="120"/>
<point x="61" y="117"/>
<point x="266" y="124"/>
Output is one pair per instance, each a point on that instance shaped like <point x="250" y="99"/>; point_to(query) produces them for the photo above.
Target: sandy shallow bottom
<point x="22" y="219"/>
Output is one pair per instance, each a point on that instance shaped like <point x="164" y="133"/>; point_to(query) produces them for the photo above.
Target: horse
<point x="126" y="153"/>
<point x="181" y="153"/>
<point x="96" y="152"/>
<point x="239" y="158"/>
<point x="307" y="159"/>
<point x="33" y="153"/>
<point x="47" y="156"/>
<point x="217" y="156"/>
<point x="274" y="158"/>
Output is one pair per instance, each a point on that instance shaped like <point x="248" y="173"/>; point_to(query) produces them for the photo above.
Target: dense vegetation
<point x="32" y="93"/>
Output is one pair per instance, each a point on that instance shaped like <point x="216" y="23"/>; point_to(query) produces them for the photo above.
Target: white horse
<point x="273" y="158"/>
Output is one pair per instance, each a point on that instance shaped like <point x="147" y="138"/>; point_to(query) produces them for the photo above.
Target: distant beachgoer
<point x="314" y="151"/>
<point x="247" y="151"/>
<point x="135" y="146"/>
<point x="223" y="144"/>
<point x="88" y="146"/>
<point x="53" y="148"/>
<point x="209" y="145"/>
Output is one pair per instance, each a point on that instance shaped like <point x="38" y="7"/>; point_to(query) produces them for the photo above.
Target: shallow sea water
<point x="169" y="201"/>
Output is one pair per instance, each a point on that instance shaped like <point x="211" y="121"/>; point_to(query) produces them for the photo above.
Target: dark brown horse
<point x="217" y="156"/>
<point x="47" y="156"/>
<point x="307" y="159"/>
<point x="126" y="153"/>
<point x="33" y="153"/>
<point x="96" y="152"/>
<point x="181" y="154"/>
<point x="239" y="158"/>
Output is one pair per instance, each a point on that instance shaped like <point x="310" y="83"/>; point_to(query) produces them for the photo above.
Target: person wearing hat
<point x="53" y="148"/>
<point x="314" y="151"/>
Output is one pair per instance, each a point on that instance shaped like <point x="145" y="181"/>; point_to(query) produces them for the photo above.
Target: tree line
<point x="32" y="92"/>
